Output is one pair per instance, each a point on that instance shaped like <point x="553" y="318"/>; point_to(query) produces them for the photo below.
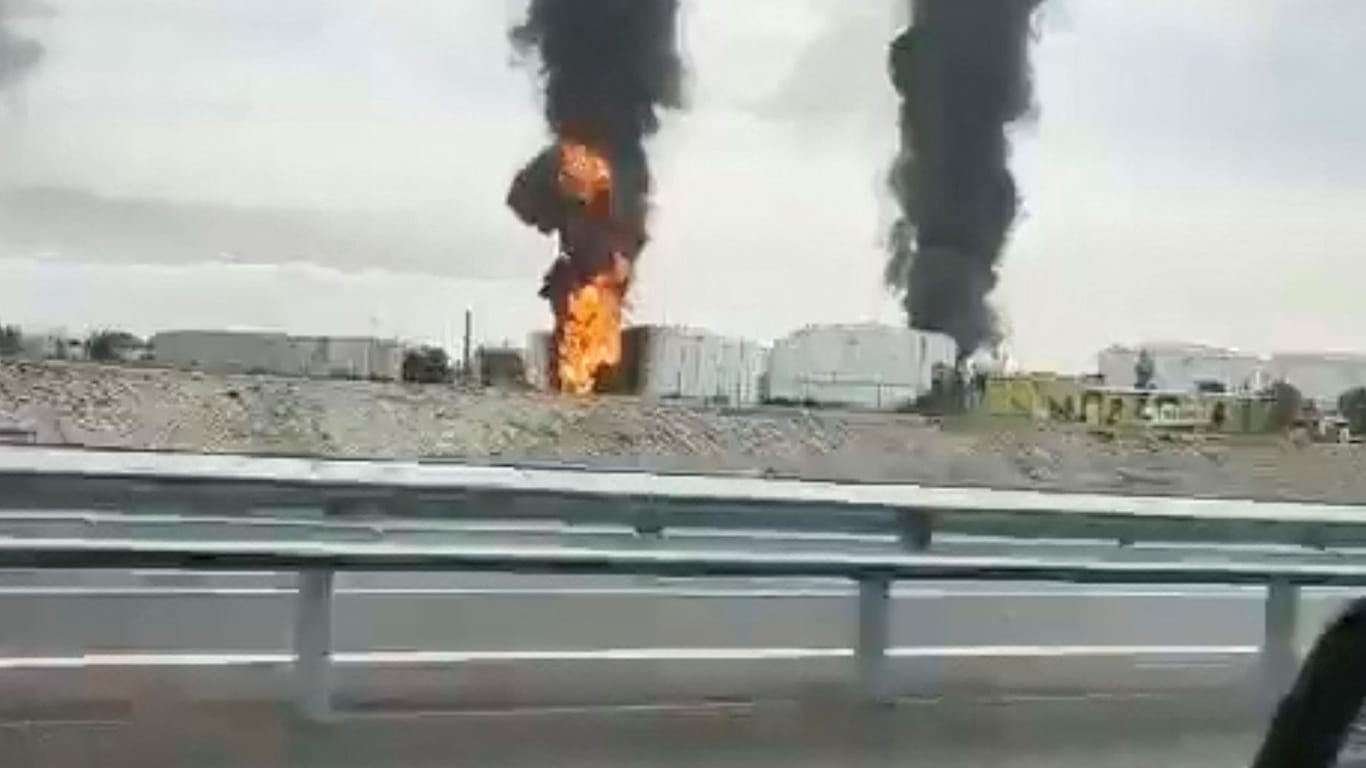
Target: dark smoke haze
<point x="18" y="55"/>
<point x="607" y="67"/>
<point x="962" y="72"/>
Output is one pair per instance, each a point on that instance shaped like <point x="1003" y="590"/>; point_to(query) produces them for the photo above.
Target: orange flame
<point x="588" y="321"/>
<point x="588" y="338"/>
<point x="585" y="174"/>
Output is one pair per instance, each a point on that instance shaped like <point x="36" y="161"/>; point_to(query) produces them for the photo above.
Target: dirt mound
<point x="160" y="409"/>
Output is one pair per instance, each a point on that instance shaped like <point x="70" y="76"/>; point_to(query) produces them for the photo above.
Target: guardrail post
<point x="916" y="529"/>
<point x="870" y="654"/>
<point x="313" y="644"/>
<point x="1279" y="656"/>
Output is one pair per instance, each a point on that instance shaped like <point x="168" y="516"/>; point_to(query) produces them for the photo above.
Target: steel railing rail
<point x="56" y="478"/>
<point x="317" y="562"/>
<point x="93" y="554"/>
<point x="190" y="527"/>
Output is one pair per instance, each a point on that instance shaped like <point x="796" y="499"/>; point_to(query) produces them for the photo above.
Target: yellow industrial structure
<point x="1040" y="396"/>
<point x="1054" y="397"/>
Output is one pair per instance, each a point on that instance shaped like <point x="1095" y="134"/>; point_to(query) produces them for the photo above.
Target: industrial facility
<point x="279" y="354"/>
<point x="1185" y="386"/>
<point x="861" y="366"/>
<point x="1086" y="400"/>
<point x="672" y="362"/>
<point x="1184" y="368"/>
<point x="1321" y="377"/>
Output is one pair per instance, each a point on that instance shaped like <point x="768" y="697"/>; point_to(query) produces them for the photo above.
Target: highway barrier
<point x="677" y="526"/>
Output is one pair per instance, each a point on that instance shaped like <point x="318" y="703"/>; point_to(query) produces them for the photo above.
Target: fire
<point x="588" y="333"/>
<point x="585" y="175"/>
<point x="589" y="307"/>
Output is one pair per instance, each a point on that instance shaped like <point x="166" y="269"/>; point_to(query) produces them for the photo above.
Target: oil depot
<point x="864" y="365"/>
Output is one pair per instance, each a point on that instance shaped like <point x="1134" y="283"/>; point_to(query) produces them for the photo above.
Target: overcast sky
<point x="339" y="166"/>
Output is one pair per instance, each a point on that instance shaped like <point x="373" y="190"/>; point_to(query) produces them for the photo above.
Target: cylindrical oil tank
<point x="538" y="357"/>
<point x="687" y="363"/>
<point x="863" y="366"/>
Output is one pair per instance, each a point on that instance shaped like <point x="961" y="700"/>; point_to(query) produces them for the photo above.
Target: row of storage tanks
<point x="863" y="366"/>
<point x="279" y="354"/>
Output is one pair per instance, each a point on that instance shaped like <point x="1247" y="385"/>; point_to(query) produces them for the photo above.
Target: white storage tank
<point x="538" y="357"/>
<point x="227" y="352"/>
<point x="1321" y="377"/>
<point x="355" y="357"/>
<point x="1182" y="367"/>
<point x="278" y="354"/>
<point x="863" y="366"/>
<point x="688" y="363"/>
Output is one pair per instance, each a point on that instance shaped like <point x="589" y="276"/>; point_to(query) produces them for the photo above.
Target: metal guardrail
<point x="321" y="490"/>
<point x="316" y="563"/>
<point x="56" y="478"/>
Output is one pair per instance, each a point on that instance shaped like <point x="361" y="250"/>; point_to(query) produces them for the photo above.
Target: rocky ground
<point x="140" y="407"/>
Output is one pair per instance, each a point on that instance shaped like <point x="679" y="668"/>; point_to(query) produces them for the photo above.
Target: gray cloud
<point x="83" y="226"/>
<point x="1180" y="142"/>
<point x="1266" y="89"/>
<point x="841" y="73"/>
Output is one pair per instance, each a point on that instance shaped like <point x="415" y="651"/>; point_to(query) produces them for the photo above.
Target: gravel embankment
<point x="136" y="407"/>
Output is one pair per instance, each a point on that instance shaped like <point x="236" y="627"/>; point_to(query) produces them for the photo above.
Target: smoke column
<point x="607" y="67"/>
<point x="962" y="72"/>
<point x="18" y="55"/>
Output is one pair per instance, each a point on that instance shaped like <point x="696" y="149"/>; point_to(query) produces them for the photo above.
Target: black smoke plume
<point x="18" y="55"/>
<point x="607" y="66"/>
<point x="962" y="72"/>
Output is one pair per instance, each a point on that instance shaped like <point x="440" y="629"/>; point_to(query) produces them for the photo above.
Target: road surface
<point x="1056" y="734"/>
<point x="187" y="669"/>
<point x="502" y="641"/>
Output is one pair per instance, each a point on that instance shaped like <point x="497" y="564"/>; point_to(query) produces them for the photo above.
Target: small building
<point x="500" y="367"/>
<point x="52" y="345"/>
<point x="863" y="366"/>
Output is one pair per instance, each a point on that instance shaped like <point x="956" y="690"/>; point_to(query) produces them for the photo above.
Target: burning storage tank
<point x="607" y="67"/>
<point x="864" y="366"/>
<point x="587" y="284"/>
<point x="670" y="362"/>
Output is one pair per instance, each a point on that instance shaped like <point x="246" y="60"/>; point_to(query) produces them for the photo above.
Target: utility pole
<point x="466" y="352"/>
